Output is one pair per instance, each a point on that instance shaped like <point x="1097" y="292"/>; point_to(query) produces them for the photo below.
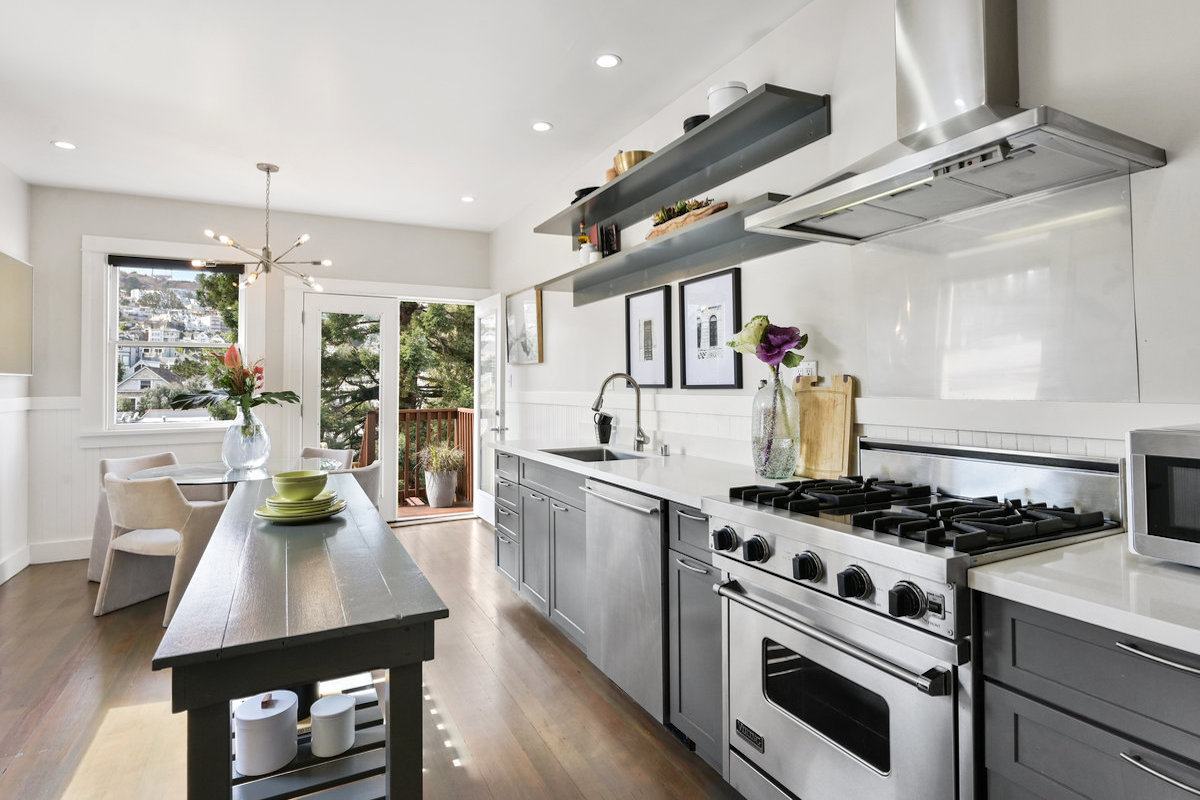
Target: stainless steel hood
<point x="964" y="142"/>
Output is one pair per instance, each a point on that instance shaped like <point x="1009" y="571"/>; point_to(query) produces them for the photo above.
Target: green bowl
<point x="304" y="484"/>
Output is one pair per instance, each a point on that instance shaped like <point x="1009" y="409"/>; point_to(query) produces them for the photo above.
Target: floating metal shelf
<point x="708" y="244"/>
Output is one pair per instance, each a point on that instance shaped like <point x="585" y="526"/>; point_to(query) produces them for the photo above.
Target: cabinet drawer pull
<point x="557" y="507"/>
<point x="504" y="483"/>
<point x="686" y="565"/>
<point x="504" y="511"/>
<point x="1144" y="767"/>
<point x="1137" y="651"/>
<point x="537" y="497"/>
<point x="504" y="539"/>
<point x="692" y="517"/>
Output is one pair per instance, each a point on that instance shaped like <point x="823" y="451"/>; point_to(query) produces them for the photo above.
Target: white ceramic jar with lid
<point x="265" y="732"/>
<point x="723" y="95"/>
<point x="332" y="725"/>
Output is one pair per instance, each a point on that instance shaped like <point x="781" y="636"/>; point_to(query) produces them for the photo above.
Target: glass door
<point x="351" y="376"/>
<point x="489" y="398"/>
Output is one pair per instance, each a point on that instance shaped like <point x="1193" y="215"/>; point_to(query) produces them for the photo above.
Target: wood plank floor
<point x="514" y="710"/>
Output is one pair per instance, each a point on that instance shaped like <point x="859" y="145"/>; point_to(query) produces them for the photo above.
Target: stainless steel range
<point x="848" y="619"/>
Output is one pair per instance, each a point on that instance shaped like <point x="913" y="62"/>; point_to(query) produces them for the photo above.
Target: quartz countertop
<point x="1103" y="583"/>
<point x="680" y="478"/>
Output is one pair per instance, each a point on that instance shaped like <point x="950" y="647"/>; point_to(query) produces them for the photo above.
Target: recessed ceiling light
<point x="608" y="60"/>
<point x="62" y="145"/>
<point x="542" y="127"/>
<point x="466" y="198"/>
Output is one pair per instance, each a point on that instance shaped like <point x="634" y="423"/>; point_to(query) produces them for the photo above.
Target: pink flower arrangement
<point x="236" y="381"/>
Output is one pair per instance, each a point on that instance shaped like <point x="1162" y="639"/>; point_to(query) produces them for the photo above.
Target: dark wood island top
<point x="277" y="605"/>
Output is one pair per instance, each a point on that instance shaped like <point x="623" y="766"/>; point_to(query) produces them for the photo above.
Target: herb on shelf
<point x="667" y="213"/>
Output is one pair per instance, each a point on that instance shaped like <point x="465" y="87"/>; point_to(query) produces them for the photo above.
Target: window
<point x="166" y="320"/>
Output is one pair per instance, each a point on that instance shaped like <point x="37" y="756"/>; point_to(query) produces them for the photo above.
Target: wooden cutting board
<point x="826" y="420"/>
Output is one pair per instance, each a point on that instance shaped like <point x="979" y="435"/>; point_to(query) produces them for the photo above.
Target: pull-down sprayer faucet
<point x="640" y="438"/>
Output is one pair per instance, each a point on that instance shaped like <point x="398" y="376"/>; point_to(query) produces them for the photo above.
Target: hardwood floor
<point x="514" y="709"/>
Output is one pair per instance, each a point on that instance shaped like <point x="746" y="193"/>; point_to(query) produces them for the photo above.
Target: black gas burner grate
<point x="836" y="494"/>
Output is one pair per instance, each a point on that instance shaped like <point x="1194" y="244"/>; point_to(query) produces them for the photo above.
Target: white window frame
<point x="98" y="383"/>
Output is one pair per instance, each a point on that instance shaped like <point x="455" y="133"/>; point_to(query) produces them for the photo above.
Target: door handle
<point x="498" y="429"/>
<point x="622" y="503"/>
<point x="686" y="565"/>
<point x="1137" y="651"/>
<point x="933" y="682"/>
<point x="1144" y="767"/>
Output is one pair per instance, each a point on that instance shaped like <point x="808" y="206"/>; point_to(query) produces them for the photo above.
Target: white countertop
<point x="1102" y="583"/>
<point x="681" y="478"/>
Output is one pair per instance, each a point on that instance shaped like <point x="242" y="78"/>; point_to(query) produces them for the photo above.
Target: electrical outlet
<point x="807" y="369"/>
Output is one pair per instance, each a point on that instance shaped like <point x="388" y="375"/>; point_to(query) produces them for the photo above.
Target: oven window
<point x="837" y="708"/>
<point x="1173" y="498"/>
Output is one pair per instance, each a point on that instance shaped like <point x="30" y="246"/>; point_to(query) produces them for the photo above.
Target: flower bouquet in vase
<point x="246" y="444"/>
<point x="775" y="415"/>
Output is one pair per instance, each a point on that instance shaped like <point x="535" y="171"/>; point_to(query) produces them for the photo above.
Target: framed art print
<point x="710" y="314"/>
<point x="648" y="337"/>
<point x="523" y="318"/>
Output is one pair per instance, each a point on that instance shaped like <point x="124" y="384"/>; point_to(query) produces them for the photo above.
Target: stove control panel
<point x="880" y="587"/>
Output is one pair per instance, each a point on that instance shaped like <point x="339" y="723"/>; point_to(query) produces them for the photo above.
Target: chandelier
<point x="265" y="260"/>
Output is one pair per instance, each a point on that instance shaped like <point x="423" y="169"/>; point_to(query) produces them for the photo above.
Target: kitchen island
<point x="272" y="606"/>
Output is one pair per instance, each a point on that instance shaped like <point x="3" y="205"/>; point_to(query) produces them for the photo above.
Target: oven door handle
<point x="934" y="682"/>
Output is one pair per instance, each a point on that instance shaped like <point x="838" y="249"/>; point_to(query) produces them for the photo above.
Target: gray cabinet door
<point x="568" y="570"/>
<point x="694" y="631"/>
<point x="535" y="549"/>
<point x="508" y="555"/>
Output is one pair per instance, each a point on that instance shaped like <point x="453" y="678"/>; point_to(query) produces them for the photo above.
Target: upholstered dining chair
<point x="367" y="477"/>
<point x="344" y="458"/>
<point x="156" y="541"/>
<point x="123" y="468"/>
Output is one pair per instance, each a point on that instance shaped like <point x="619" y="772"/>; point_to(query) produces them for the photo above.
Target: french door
<point x="489" y="399"/>
<point x="351" y="368"/>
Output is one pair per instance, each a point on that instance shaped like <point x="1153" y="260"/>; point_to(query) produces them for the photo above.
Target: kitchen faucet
<point x="640" y="438"/>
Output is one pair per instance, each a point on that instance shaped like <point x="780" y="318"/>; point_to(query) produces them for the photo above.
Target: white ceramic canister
<point x="724" y="95"/>
<point x="332" y="725"/>
<point x="265" y="734"/>
<point x="586" y="251"/>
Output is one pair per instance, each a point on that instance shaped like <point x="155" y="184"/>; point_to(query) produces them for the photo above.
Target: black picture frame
<point x="648" y="337"/>
<point x="710" y="314"/>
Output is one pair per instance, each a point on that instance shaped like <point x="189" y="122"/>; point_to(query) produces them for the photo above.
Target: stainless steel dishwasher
<point x="625" y="591"/>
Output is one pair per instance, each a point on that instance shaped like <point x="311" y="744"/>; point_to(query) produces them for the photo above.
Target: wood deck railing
<point x="418" y="427"/>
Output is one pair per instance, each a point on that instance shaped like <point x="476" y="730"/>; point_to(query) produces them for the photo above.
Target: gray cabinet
<point x="508" y="518"/>
<point x="1073" y="710"/>
<point x="693" y="635"/>
<point x="568" y="570"/>
<point x="535" y="549"/>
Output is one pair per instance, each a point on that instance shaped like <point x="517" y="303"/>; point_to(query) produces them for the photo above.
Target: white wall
<point x="1124" y="67"/>
<point x="67" y="457"/>
<point x="14" y="392"/>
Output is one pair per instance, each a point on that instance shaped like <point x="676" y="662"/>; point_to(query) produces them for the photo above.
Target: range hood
<point x="964" y="143"/>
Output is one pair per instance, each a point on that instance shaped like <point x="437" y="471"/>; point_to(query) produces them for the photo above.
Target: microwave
<point x="1164" y="493"/>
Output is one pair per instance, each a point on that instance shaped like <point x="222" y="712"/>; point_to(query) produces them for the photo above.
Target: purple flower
<point x="775" y="344"/>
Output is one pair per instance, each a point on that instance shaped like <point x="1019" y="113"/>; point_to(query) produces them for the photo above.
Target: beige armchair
<point x="123" y="468"/>
<point x="156" y="540"/>
<point x="367" y="477"/>
<point x="344" y="458"/>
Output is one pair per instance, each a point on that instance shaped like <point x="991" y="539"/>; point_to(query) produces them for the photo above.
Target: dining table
<point x="273" y="605"/>
<point x="215" y="473"/>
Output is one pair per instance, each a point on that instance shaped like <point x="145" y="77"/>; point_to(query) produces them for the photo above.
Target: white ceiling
<point x="375" y="109"/>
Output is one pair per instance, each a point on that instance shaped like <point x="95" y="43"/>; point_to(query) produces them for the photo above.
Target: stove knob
<point x="807" y="566"/>
<point x="755" y="549"/>
<point x="906" y="600"/>
<point x="725" y="539"/>
<point x="854" y="582"/>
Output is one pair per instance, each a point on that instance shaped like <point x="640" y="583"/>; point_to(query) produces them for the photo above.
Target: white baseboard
<point x="14" y="563"/>
<point x="62" y="550"/>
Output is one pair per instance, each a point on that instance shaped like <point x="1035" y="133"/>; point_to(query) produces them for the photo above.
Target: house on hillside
<point x="143" y="377"/>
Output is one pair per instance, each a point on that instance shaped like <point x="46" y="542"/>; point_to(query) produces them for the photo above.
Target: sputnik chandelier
<point x="265" y="261"/>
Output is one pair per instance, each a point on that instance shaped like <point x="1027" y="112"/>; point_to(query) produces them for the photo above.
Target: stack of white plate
<point x="280" y="509"/>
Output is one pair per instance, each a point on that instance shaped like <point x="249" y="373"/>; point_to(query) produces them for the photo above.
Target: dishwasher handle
<point x="622" y="503"/>
<point x="934" y="682"/>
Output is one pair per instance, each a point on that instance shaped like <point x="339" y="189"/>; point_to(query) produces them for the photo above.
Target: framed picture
<point x="710" y="314"/>
<point x="523" y="317"/>
<point x="648" y="337"/>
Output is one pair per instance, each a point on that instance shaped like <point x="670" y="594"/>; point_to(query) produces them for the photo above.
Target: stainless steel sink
<point x="591" y="454"/>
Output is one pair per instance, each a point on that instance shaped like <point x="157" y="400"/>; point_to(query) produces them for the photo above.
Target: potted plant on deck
<point x="441" y="462"/>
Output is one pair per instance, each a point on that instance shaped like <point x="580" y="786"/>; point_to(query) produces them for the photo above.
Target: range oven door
<point x="827" y="718"/>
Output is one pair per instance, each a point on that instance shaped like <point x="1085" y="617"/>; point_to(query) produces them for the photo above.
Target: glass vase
<point x="775" y="429"/>
<point x="246" y="443"/>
